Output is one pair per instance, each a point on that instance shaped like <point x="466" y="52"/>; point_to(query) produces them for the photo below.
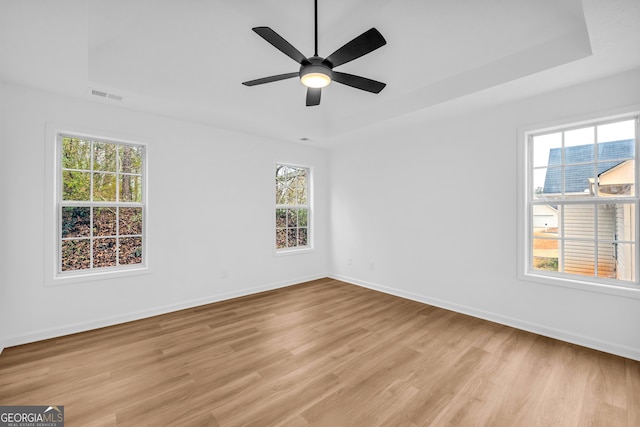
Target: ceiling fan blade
<point x="313" y="96"/>
<point x="271" y="79"/>
<point x="281" y="44"/>
<point x="366" y="42"/>
<point x="358" y="82"/>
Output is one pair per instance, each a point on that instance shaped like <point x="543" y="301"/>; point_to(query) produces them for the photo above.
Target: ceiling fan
<point x="317" y="72"/>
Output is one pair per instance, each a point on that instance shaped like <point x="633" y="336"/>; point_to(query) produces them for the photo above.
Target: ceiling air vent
<point x="98" y="93"/>
<point x="103" y="94"/>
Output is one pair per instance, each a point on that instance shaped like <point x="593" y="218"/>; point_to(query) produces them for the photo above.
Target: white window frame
<point x="53" y="202"/>
<point x="525" y="196"/>
<point x="310" y="215"/>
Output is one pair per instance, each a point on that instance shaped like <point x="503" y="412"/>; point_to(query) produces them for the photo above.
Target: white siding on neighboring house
<point x="579" y="256"/>
<point x="626" y="230"/>
<point x="615" y="222"/>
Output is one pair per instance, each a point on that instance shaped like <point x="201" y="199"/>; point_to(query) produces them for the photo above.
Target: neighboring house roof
<point x="610" y="154"/>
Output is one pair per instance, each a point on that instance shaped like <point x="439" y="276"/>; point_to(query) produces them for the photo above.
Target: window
<point x="582" y="203"/>
<point x="292" y="207"/>
<point x="100" y="205"/>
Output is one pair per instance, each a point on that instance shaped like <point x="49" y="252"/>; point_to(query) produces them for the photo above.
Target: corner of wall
<point x="3" y="181"/>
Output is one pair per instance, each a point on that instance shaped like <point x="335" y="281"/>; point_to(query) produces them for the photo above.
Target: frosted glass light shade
<point x="315" y="80"/>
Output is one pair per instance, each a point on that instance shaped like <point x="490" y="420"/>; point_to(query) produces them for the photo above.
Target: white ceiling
<point x="187" y="58"/>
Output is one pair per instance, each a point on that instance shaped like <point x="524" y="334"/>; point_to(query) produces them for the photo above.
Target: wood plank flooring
<point x="323" y="353"/>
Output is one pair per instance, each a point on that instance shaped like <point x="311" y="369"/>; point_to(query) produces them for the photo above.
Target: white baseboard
<point x="559" y="334"/>
<point x="123" y="318"/>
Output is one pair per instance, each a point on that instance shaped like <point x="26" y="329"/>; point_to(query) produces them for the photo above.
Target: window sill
<point x="287" y="252"/>
<point x="70" y="279"/>
<point x="629" y="291"/>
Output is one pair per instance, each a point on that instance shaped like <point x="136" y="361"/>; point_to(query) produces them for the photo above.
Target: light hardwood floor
<point x="323" y="353"/>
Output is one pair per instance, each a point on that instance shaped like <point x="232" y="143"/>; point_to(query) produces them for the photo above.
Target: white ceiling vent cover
<point x="103" y="94"/>
<point x="98" y="93"/>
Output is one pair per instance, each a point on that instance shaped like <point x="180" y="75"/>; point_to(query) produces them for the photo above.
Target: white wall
<point x="451" y="238"/>
<point x="211" y="206"/>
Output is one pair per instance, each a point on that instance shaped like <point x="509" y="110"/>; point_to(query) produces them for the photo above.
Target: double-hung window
<point x="293" y="211"/>
<point x="100" y="205"/>
<point x="582" y="203"/>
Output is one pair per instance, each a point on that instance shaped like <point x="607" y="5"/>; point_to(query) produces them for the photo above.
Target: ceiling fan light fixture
<point x="315" y="80"/>
<point x="315" y="75"/>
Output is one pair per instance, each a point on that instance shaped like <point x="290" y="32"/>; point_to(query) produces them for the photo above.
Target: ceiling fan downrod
<point x="315" y="3"/>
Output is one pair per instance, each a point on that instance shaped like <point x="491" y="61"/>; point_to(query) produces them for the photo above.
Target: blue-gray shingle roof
<point x="610" y="154"/>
